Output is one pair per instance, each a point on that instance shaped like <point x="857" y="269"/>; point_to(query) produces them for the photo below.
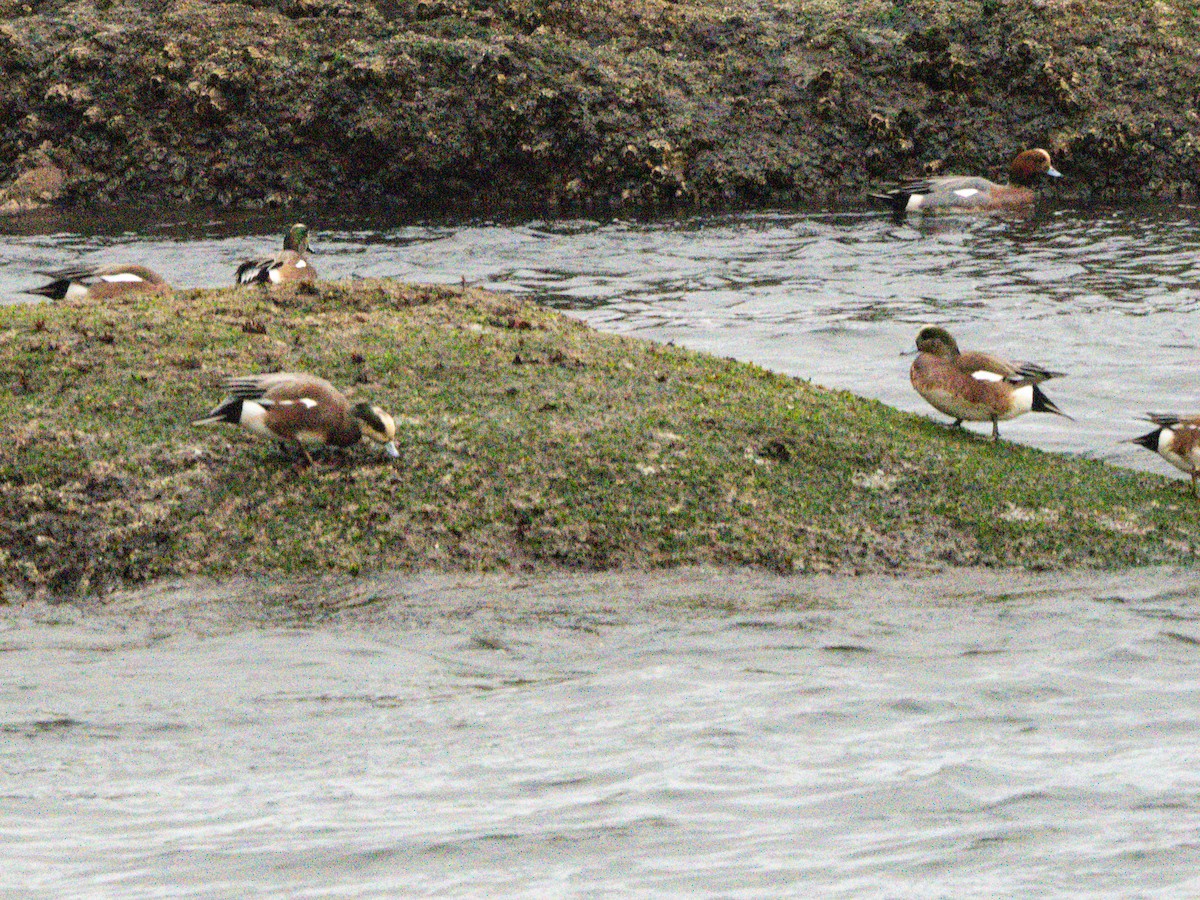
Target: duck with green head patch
<point x="101" y="282"/>
<point x="289" y="265"/>
<point x="294" y="409"/>
<point x="974" y="386"/>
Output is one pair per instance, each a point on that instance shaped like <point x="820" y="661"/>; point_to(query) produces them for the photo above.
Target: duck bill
<point x="390" y="449"/>
<point x="1053" y="172"/>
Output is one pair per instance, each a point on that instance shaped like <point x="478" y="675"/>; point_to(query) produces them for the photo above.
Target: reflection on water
<point x="1107" y="296"/>
<point x="967" y="736"/>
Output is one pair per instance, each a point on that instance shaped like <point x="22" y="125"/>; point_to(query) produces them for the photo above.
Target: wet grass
<point x="529" y="442"/>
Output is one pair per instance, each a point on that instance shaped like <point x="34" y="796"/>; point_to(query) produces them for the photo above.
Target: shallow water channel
<point x="690" y="733"/>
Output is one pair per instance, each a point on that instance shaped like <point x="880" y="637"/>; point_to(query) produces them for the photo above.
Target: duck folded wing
<point x="282" y="386"/>
<point x="255" y="270"/>
<point x="1032" y="373"/>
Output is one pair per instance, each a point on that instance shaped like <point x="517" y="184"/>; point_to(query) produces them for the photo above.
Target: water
<point x="1105" y="295"/>
<point x="690" y="734"/>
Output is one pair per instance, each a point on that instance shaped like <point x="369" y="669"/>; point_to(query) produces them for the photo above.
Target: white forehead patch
<point x="966" y="192"/>
<point x="984" y="375"/>
<point x="121" y="277"/>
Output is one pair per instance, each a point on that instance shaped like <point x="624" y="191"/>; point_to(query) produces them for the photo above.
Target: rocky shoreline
<point x="595" y="106"/>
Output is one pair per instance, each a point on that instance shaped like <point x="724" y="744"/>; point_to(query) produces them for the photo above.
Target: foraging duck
<point x="1177" y="441"/>
<point x="976" y="386"/>
<point x="101" y="282"/>
<point x="968" y="193"/>
<point x="295" y="408"/>
<point x="290" y="264"/>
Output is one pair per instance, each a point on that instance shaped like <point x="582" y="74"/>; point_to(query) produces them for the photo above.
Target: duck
<point x="295" y="408"/>
<point x="969" y="193"/>
<point x="1177" y="440"/>
<point x="290" y="264"/>
<point x="101" y="282"/>
<point x="974" y="386"/>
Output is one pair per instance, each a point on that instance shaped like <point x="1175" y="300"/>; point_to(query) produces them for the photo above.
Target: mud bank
<point x="596" y="105"/>
<point x="530" y="443"/>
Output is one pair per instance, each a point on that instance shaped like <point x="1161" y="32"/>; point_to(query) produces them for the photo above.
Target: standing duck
<point x="969" y="193"/>
<point x="976" y="387"/>
<point x="290" y="264"/>
<point x="101" y="282"/>
<point x="294" y="409"/>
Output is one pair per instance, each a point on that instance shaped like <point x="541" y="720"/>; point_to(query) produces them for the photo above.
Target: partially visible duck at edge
<point x="976" y="387"/>
<point x="1177" y="440"/>
<point x="289" y="265"/>
<point x="969" y="193"/>
<point x="101" y="282"/>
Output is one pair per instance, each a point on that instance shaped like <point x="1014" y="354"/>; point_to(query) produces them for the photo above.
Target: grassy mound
<point x="529" y="442"/>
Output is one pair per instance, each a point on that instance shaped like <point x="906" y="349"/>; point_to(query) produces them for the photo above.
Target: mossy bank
<point x="597" y="105"/>
<point x="529" y="442"/>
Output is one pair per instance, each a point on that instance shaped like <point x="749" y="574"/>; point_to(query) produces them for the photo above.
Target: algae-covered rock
<point x="593" y="105"/>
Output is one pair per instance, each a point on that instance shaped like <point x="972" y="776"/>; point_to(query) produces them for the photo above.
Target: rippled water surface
<point x="696" y="734"/>
<point x="1108" y="296"/>
<point x="684" y="735"/>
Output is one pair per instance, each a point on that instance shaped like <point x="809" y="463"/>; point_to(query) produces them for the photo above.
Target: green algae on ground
<point x="528" y="441"/>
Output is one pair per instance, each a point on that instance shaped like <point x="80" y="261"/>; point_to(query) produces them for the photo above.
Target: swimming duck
<point x="1177" y="441"/>
<point x="977" y="387"/>
<point x="970" y="193"/>
<point x="295" y="408"/>
<point x="290" y="264"/>
<point x="101" y="282"/>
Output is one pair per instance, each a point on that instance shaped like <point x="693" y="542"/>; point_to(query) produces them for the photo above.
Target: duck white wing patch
<point x="966" y="192"/>
<point x="301" y="264"/>
<point x="306" y="402"/>
<point x="121" y="278"/>
<point x="984" y="375"/>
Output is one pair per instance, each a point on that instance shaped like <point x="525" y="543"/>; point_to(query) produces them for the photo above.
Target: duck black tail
<point x="55" y="290"/>
<point x="896" y="199"/>
<point x="230" y="411"/>
<point x="1042" y="403"/>
<point x="1149" y="441"/>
